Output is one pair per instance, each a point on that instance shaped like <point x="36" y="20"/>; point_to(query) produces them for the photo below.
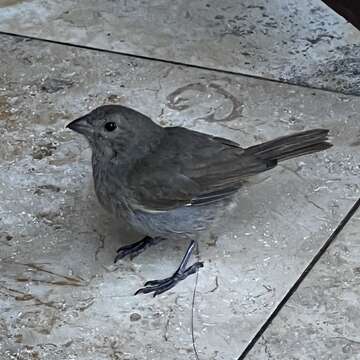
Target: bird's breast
<point x="111" y="191"/>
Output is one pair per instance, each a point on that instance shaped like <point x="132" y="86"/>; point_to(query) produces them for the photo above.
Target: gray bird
<point x="169" y="182"/>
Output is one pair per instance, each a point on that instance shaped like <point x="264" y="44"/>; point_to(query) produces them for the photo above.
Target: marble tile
<point x="321" y="320"/>
<point x="60" y="295"/>
<point x="300" y="42"/>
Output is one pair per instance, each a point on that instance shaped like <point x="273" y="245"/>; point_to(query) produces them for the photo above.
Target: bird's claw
<point x="160" y="286"/>
<point x="135" y="249"/>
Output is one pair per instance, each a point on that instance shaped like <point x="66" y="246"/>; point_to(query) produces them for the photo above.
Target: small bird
<point x="171" y="182"/>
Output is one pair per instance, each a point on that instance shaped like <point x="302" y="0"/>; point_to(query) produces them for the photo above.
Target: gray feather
<point x="142" y="170"/>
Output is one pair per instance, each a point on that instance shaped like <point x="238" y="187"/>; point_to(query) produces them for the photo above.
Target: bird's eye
<point x="110" y="126"/>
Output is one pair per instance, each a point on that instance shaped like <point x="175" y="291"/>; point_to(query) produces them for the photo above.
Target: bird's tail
<point x="290" y="146"/>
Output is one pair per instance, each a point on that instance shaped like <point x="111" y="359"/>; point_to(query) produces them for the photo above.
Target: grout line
<point x="172" y="62"/>
<point x="301" y="278"/>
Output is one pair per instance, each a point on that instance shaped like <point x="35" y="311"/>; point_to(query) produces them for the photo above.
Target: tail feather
<point x="290" y="146"/>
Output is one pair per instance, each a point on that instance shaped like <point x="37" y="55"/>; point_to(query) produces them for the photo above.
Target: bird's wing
<point x="190" y="168"/>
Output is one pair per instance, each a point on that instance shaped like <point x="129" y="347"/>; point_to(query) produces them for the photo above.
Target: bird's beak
<point x="80" y="125"/>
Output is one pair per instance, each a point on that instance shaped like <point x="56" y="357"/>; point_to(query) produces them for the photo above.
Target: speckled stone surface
<point x="60" y="295"/>
<point x="322" y="320"/>
<point x="301" y="42"/>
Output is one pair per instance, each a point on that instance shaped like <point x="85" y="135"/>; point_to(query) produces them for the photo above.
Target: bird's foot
<point x="160" y="286"/>
<point x="136" y="248"/>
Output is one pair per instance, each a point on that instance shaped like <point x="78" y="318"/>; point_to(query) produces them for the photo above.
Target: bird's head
<point x="114" y="129"/>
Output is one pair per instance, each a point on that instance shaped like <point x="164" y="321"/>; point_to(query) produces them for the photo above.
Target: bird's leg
<point x="136" y="248"/>
<point x="160" y="286"/>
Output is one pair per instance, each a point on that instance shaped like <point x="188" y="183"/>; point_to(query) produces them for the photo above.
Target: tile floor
<point x="60" y="295"/>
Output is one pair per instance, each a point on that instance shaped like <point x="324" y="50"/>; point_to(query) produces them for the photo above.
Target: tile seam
<point x="301" y="278"/>
<point x="174" y="62"/>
